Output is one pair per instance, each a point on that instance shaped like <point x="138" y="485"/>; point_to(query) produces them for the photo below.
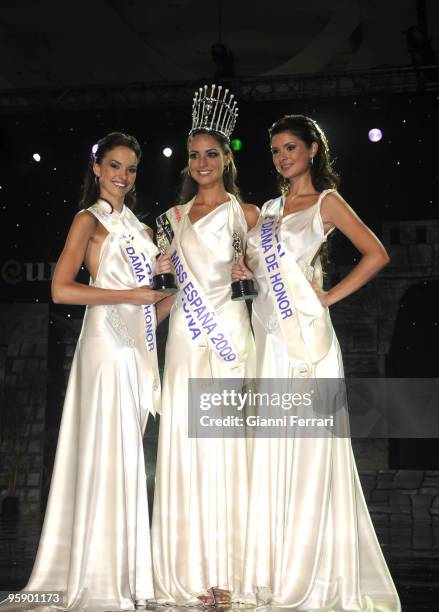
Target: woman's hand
<point x="146" y="295"/>
<point x="240" y="270"/>
<point x="164" y="265"/>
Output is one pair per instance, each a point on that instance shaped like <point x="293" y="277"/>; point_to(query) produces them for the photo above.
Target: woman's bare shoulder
<point x="251" y="213"/>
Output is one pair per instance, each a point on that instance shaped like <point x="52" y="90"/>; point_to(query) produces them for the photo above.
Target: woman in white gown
<point x="200" y="499"/>
<point x="95" y="544"/>
<point x="310" y="539"/>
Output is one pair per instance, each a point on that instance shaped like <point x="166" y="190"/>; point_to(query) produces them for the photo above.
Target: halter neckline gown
<point x="310" y="539"/>
<point x="95" y="544"/>
<point x="200" y="500"/>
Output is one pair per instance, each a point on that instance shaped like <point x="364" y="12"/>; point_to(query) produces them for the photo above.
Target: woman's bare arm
<point x="336" y="212"/>
<point x="65" y="288"/>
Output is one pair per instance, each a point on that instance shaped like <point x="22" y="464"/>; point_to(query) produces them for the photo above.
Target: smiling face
<point x="206" y="159"/>
<point x="117" y="173"/>
<point x="291" y="155"/>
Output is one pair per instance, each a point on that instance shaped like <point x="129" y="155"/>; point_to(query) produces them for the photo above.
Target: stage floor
<point x="412" y="557"/>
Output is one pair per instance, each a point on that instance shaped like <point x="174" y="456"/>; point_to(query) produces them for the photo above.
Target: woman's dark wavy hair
<point x="322" y="174"/>
<point x="189" y="187"/>
<point x="90" y="186"/>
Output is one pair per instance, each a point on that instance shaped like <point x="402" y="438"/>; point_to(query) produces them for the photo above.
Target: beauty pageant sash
<point x="201" y="317"/>
<point x="304" y="322"/>
<point x="141" y="266"/>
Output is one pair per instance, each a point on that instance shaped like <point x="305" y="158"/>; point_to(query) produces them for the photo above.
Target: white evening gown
<point x="200" y="499"/>
<point x="310" y="539"/>
<point x="95" y="543"/>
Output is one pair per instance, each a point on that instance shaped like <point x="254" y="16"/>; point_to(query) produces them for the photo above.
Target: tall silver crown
<point x="214" y="111"/>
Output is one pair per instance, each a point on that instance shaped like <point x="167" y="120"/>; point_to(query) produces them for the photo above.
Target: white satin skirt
<point x="201" y="493"/>
<point x="95" y="544"/>
<point x="310" y="542"/>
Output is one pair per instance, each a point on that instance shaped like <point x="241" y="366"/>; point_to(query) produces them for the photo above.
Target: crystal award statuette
<point x="165" y="234"/>
<point x="243" y="289"/>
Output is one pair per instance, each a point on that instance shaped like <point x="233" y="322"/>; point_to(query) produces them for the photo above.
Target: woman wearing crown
<point x="310" y="540"/>
<point x="200" y="500"/>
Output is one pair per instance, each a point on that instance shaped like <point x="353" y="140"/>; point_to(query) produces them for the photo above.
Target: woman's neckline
<point x="295" y="212"/>
<point x="207" y="214"/>
<point x="114" y="210"/>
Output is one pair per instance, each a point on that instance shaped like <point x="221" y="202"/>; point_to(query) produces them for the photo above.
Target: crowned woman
<point x="200" y="503"/>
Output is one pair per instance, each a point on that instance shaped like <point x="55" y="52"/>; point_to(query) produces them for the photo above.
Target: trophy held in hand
<point x="165" y="235"/>
<point x="243" y="289"/>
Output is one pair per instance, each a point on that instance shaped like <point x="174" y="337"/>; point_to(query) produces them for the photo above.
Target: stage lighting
<point x="375" y="135"/>
<point x="37" y="157"/>
<point x="236" y="144"/>
<point x="167" y="152"/>
<point x="94" y="149"/>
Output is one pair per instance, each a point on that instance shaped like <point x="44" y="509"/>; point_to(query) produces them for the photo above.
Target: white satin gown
<point x="200" y="499"/>
<point x="310" y="540"/>
<point x="95" y="542"/>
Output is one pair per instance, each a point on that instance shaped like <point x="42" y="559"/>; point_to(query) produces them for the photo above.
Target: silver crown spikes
<point x="215" y="111"/>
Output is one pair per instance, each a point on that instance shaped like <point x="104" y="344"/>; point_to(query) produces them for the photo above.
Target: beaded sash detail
<point x="117" y="323"/>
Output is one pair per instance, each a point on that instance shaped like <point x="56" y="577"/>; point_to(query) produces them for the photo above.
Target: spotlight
<point x="167" y="152"/>
<point x="94" y="149"/>
<point x="375" y="135"/>
<point x="37" y="157"/>
<point x="236" y="144"/>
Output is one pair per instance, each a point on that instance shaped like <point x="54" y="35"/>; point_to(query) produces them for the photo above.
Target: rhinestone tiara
<point x="214" y="111"/>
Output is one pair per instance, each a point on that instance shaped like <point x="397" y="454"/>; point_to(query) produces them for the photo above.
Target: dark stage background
<point x="389" y="328"/>
<point x="392" y="184"/>
<point x="395" y="179"/>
